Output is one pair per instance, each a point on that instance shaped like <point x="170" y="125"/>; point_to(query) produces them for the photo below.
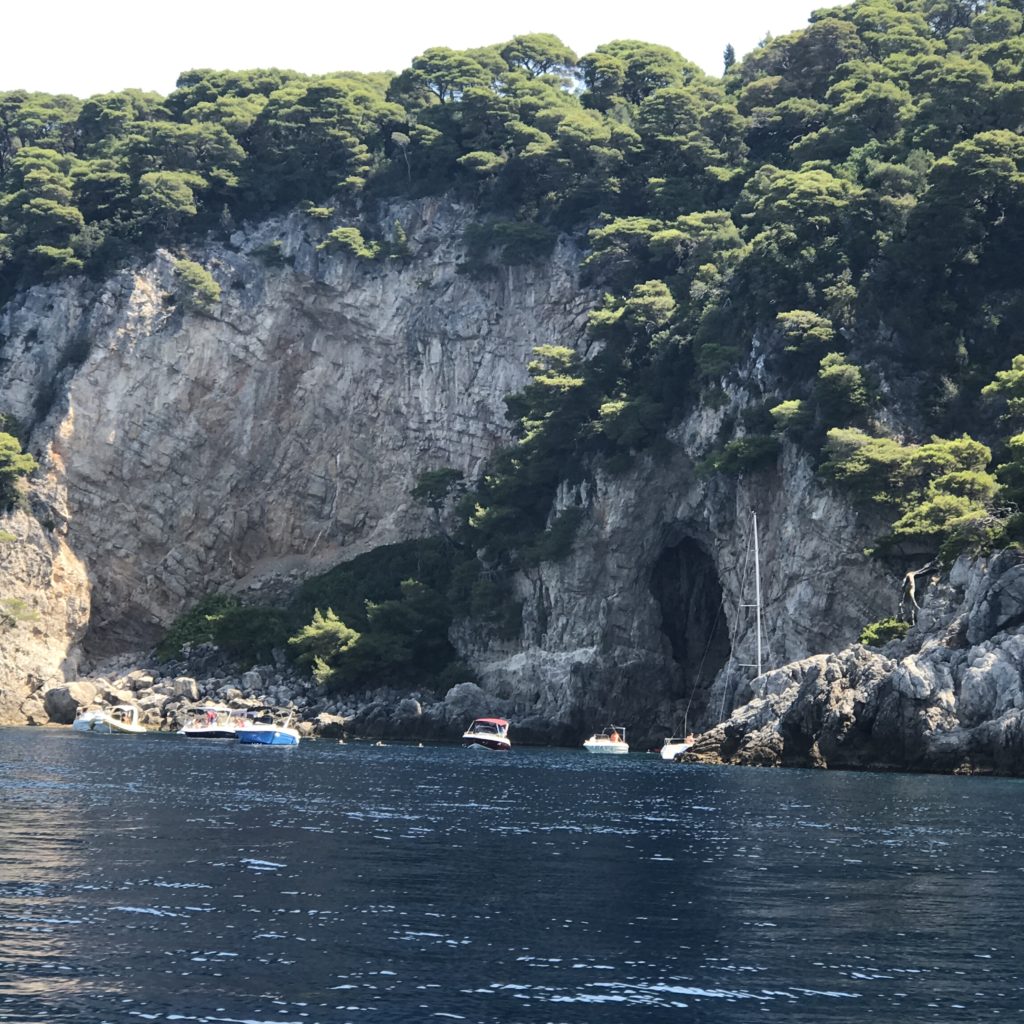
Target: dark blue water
<point x="160" y="879"/>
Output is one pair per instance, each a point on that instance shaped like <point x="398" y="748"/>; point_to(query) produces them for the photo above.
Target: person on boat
<point x="614" y="736"/>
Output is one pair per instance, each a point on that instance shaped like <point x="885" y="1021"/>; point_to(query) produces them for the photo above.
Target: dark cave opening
<point x="685" y="584"/>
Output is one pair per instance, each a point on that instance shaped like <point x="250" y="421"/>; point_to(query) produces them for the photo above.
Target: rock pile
<point x="166" y="694"/>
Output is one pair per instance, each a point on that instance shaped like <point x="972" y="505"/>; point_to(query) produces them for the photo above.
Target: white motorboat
<point x="675" y="746"/>
<point x="121" y="718"/>
<point x="609" y="741"/>
<point x="212" y="722"/>
<point x="487" y="734"/>
<point x="269" y="727"/>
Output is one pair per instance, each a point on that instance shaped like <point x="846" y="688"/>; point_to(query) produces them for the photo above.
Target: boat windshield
<point x="490" y="726"/>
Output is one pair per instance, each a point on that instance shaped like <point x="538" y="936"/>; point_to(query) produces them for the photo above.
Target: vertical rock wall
<point x="281" y="432"/>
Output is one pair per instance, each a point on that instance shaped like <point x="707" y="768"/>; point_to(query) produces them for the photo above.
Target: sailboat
<point x="762" y="650"/>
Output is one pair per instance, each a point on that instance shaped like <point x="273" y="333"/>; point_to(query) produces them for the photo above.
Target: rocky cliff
<point x="948" y="697"/>
<point x="272" y="437"/>
<point x="281" y="432"/>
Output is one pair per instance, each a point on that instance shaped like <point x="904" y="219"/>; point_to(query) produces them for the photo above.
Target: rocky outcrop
<point x="44" y="613"/>
<point x="949" y="697"/>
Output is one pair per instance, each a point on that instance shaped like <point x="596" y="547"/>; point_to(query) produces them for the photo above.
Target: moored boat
<point x="487" y="734"/>
<point x="269" y="727"/>
<point x="609" y="741"/>
<point x="120" y="718"/>
<point x="212" y="722"/>
<point x="675" y="746"/>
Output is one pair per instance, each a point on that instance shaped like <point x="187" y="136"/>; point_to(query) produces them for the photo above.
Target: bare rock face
<point x="639" y="623"/>
<point x="44" y="613"/>
<point x="950" y="697"/>
<point x="269" y="438"/>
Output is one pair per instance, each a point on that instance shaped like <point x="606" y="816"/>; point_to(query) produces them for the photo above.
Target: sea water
<point x="156" y="878"/>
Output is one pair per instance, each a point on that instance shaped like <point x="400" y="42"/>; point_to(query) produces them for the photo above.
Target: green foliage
<point x="941" y="491"/>
<point x="349" y="240"/>
<point x="837" y="220"/>
<point x="877" y="634"/>
<point x="806" y="338"/>
<point x="322" y="642"/>
<point x="742" y="455"/>
<point x="14" y="465"/>
<point x="839" y="390"/>
<point x="516" y="242"/>
<point x="435" y="487"/>
<point x="198" y="291"/>
<point x="791" y="417"/>
<point x="556" y="542"/>
<point x="250" y="634"/>
<point x="195" y="626"/>
<point x="1008" y="390"/>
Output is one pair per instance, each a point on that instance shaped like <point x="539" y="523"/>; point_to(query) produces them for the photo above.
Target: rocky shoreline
<point x="167" y="693"/>
<point x="948" y="698"/>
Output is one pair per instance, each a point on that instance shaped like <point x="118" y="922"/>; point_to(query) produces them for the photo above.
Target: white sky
<point x="89" y="46"/>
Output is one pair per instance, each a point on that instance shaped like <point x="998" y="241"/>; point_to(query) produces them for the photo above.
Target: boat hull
<point x="105" y="725"/>
<point x="606" y="747"/>
<point x="212" y="733"/>
<point x="269" y="737"/>
<point x="485" y="743"/>
<point x="671" y="751"/>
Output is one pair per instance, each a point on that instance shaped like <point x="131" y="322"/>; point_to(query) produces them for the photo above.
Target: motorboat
<point x="120" y="718"/>
<point x="609" y="741"/>
<point x="675" y="746"/>
<point x="212" y="722"/>
<point x="487" y="734"/>
<point x="269" y="727"/>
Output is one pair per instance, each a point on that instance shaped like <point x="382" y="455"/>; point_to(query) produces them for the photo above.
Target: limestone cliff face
<point x="277" y="435"/>
<point x="281" y="433"/>
<point x="44" y="613"/>
<point x="649" y="606"/>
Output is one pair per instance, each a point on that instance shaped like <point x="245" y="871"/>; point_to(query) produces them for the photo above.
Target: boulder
<point x="62" y="702"/>
<point x="179" y="686"/>
<point x="329" y="726"/>
<point x="252" y="681"/>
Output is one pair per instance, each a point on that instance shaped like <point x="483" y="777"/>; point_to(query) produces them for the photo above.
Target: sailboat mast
<point x="757" y="589"/>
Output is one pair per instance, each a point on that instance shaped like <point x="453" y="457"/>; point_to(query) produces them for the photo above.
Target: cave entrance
<point x="685" y="584"/>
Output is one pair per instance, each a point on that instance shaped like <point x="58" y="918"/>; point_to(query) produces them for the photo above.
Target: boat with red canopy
<point x="487" y="734"/>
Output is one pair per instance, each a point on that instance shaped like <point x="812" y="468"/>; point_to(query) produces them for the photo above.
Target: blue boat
<point x="268" y="727"/>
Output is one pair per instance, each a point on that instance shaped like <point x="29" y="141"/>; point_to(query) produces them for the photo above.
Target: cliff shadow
<point x="685" y="584"/>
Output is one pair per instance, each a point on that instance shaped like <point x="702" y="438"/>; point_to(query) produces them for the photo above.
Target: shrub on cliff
<point x="198" y="291"/>
<point x="350" y="241"/>
<point x="877" y="634"/>
<point x="196" y="626"/>
<point x="246" y="633"/>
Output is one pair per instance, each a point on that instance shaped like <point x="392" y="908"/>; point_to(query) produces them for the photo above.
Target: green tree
<point x="320" y="643"/>
<point x="14" y="464"/>
<point x="539" y="54"/>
